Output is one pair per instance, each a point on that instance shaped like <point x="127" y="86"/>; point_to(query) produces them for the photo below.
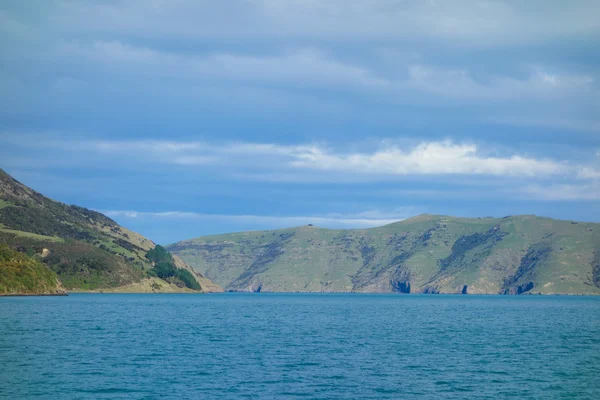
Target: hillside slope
<point x="424" y="254"/>
<point x="24" y="275"/>
<point x="86" y="249"/>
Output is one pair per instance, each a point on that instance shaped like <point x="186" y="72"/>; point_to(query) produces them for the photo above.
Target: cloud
<point x="589" y="173"/>
<point x="301" y="67"/>
<point x="462" y="22"/>
<point x="562" y="192"/>
<point x="388" y="160"/>
<point x="187" y="56"/>
<point x="428" y="158"/>
<point x="262" y="106"/>
<point x="459" y="83"/>
<point x="310" y="161"/>
<point x="549" y="122"/>
<point x="366" y="219"/>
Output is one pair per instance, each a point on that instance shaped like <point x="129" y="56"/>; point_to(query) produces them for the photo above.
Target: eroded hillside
<point x="425" y="254"/>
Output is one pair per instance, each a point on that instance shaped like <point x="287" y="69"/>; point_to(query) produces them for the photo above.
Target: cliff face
<point x="425" y="254"/>
<point x="86" y="249"/>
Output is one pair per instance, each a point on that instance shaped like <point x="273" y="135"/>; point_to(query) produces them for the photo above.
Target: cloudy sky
<point x="180" y="118"/>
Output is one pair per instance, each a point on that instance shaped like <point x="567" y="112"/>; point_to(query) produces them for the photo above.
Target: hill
<point x="86" y="249"/>
<point x="24" y="275"/>
<point x="424" y="254"/>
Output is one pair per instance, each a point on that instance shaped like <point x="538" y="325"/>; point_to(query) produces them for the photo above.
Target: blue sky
<point x="185" y="118"/>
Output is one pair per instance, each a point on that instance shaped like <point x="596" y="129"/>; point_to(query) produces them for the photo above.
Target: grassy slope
<point x="429" y="253"/>
<point x="85" y="248"/>
<point x="147" y="285"/>
<point x="21" y="274"/>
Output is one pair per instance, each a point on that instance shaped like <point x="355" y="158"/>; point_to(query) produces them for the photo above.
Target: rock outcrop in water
<point x="425" y="254"/>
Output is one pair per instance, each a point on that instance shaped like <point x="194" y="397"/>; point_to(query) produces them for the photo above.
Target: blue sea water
<point x="330" y="346"/>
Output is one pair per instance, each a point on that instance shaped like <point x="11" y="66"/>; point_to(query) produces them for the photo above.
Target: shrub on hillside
<point x="164" y="268"/>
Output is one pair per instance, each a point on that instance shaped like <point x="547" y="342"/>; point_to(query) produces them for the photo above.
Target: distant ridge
<point x="423" y="254"/>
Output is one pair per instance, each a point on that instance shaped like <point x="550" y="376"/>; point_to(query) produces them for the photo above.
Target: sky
<point x="182" y="118"/>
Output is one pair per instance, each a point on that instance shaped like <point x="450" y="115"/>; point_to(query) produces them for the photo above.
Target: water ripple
<point x="234" y="346"/>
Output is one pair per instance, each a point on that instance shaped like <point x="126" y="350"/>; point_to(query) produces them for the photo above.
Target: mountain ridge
<point x="423" y="254"/>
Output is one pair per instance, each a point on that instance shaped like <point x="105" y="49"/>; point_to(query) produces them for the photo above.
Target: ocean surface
<point x="311" y="346"/>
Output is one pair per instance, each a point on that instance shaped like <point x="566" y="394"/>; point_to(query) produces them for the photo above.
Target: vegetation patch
<point x="4" y="203"/>
<point x="78" y="264"/>
<point x="87" y="250"/>
<point x="469" y="242"/>
<point x="31" y="235"/>
<point x="28" y="218"/>
<point x="21" y="274"/>
<point x="164" y="268"/>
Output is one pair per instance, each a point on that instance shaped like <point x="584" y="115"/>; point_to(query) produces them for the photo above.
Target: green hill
<point x="424" y="254"/>
<point x="21" y="274"/>
<point x="86" y="249"/>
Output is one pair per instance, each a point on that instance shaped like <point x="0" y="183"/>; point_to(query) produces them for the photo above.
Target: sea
<point x="299" y="346"/>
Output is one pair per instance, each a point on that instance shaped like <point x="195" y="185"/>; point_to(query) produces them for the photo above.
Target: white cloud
<point x="461" y="22"/>
<point x="589" y="173"/>
<point x="359" y="220"/>
<point x="458" y="83"/>
<point x="301" y="67"/>
<point x="428" y="158"/>
<point x="188" y="56"/>
<point x="317" y="160"/>
<point x="562" y="192"/>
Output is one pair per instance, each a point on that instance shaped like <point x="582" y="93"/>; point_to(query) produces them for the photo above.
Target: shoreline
<point x="33" y="294"/>
<point x="189" y="292"/>
<point x="125" y="292"/>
